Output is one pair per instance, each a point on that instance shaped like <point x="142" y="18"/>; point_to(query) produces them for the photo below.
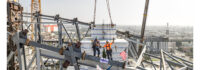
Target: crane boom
<point x="143" y="25"/>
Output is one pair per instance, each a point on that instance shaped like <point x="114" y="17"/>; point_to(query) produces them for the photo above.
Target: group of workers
<point x="96" y="47"/>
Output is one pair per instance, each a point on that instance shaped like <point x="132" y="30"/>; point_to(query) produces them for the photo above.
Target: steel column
<point x="24" y="55"/>
<point x="59" y="35"/>
<point x="60" y="41"/>
<point x="10" y="56"/>
<point x="18" y="51"/>
<point x="74" y="62"/>
<point x="37" y="27"/>
<point x="31" y="62"/>
<point x="77" y="29"/>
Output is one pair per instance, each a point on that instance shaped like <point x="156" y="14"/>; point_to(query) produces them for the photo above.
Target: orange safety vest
<point x="108" y="46"/>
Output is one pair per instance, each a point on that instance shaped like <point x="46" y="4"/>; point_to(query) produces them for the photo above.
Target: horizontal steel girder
<point x="76" y="54"/>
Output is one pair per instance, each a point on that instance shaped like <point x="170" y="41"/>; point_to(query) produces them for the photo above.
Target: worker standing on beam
<point x="96" y="46"/>
<point x="109" y="49"/>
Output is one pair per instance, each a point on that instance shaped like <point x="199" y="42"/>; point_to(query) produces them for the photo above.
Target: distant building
<point x="156" y="44"/>
<point x="51" y="28"/>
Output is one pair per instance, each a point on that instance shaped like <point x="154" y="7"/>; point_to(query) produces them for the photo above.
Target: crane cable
<point x="108" y="7"/>
<point x="94" y="17"/>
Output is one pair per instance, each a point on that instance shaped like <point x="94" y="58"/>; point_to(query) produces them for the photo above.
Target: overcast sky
<point x="123" y="12"/>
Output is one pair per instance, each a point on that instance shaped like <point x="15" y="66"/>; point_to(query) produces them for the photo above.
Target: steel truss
<point x="76" y="58"/>
<point x="172" y="60"/>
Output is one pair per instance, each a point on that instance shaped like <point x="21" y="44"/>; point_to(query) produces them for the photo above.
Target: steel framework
<point x="74" y="55"/>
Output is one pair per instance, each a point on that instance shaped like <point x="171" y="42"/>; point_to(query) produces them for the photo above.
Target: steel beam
<point x="173" y="58"/>
<point x="38" y="58"/>
<point x="183" y="68"/>
<point x="18" y="51"/>
<point x="37" y="28"/>
<point x="136" y="53"/>
<point x="24" y="55"/>
<point x="10" y="56"/>
<point x="76" y="54"/>
<point x="31" y="62"/>
<point x="42" y="23"/>
<point x="87" y="31"/>
<point x="77" y="29"/>
<point x="102" y="65"/>
<point x="74" y="61"/>
<point x="169" y="65"/>
<point x="131" y="51"/>
<point x="169" y="61"/>
<point x="163" y="59"/>
<point x="135" y="42"/>
<point x="140" y="57"/>
<point x="60" y="41"/>
<point x="43" y="66"/>
<point x="52" y="54"/>
<point x="184" y="63"/>
<point x="52" y="17"/>
<point x="152" y="63"/>
<point x="132" y="45"/>
<point x="90" y="58"/>
<point x="67" y="33"/>
<point x="182" y="59"/>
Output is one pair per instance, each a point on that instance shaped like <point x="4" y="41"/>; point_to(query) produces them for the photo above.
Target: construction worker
<point x="96" y="46"/>
<point x="109" y="49"/>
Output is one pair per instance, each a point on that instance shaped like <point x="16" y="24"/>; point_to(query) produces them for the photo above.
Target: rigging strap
<point x="94" y="12"/>
<point x="108" y="7"/>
